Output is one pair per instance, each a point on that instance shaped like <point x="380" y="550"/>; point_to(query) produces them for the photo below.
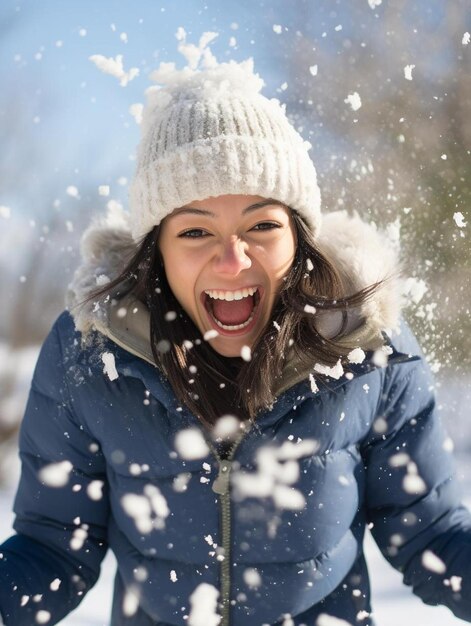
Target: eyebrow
<point x="253" y="207"/>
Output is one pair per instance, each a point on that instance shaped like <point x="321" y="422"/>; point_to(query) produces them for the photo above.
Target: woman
<point x="221" y="405"/>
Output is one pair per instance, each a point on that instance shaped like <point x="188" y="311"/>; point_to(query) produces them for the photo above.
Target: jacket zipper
<point x="222" y="487"/>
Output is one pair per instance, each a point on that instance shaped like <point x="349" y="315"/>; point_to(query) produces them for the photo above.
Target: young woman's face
<point x="225" y="258"/>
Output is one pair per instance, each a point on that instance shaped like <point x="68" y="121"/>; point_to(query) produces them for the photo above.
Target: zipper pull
<point x="221" y="484"/>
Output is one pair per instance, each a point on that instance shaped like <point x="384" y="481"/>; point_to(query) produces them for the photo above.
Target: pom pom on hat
<point x="208" y="131"/>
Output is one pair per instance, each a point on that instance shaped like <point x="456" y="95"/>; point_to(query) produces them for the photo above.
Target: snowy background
<point x="381" y="89"/>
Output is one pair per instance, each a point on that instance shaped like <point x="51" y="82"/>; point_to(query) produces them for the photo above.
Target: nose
<point x="232" y="257"/>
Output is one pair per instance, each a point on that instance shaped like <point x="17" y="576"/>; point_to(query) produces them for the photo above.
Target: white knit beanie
<point x="209" y="132"/>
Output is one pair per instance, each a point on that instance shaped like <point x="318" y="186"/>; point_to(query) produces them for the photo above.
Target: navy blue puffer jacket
<point x="365" y="448"/>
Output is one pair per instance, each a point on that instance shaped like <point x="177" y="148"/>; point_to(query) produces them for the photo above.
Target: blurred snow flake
<point x="246" y="353"/>
<point x="43" y="617"/>
<point x="114" y="67"/>
<point x="414" y="289"/>
<point x="72" y="191"/>
<point x="191" y="445"/>
<point x="95" y="490"/>
<point x="173" y="576"/>
<point x="393" y="232"/>
<point x="210" y="334"/>
<point x="277" y="29"/>
<point x="408" y="72"/>
<point x="277" y="469"/>
<point x="136" y="110"/>
<point x="131" y="601"/>
<point x="454" y="582"/>
<point x="204" y="600"/>
<point x="308" y="308"/>
<point x="354" y="100"/>
<point x="104" y="190"/>
<point x="466" y="39"/>
<point x="433" y="563"/>
<point x="109" y="365"/>
<point x="56" y="583"/>
<point x="56" y="474"/>
<point x="79" y="537"/>
<point x="414" y="484"/>
<point x="252" y="578"/>
<point x="227" y="427"/>
<point x="149" y="511"/>
<point x="459" y="219"/>
<point x="374" y="3"/>
<point x="313" y="69"/>
<point x="5" y="212"/>
<point x="102" y="280"/>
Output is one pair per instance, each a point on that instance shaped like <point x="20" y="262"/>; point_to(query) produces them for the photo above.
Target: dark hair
<point x="211" y="385"/>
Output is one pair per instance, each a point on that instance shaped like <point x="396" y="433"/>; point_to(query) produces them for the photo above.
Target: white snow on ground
<point x="393" y="603"/>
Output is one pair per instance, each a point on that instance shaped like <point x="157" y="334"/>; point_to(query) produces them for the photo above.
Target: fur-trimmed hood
<point x="361" y="253"/>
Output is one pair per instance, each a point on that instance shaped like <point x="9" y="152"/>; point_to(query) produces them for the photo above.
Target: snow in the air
<point x="191" y="445"/>
<point x="408" y="71"/>
<point x="95" y="490"/>
<point x="313" y="69"/>
<point x="276" y="470"/>
<point x="114" y="67"/>
<point x="431" y="562"/>
<point x="136" y="110"/>
<point x="466" y="39"/>
<point x="204" y="606"/>
<point x="252" y="578"/>
<point x="56" y="474"/>
<point x="374" y="3"/>
<point x="72" y="191"/>
<point x="104" y="190"/>
<point x="459" y="219"/>
<point x="354" y="100"/>
<point x="246" y="353"/>
<point x="5" y="212"/>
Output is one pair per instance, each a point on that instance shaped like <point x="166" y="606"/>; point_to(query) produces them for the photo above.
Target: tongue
<point x="234" y="312"/>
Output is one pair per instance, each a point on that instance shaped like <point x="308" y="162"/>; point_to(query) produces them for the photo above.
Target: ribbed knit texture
<point x="207" y="136"/>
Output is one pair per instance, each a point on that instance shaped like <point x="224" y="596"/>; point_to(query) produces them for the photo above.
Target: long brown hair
<point x="209" y="384"/>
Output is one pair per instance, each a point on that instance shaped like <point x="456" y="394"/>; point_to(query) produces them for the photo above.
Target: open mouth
<point x="232" y="311"/>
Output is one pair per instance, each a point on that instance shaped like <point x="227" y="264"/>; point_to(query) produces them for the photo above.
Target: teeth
<point x="231" y="295"/>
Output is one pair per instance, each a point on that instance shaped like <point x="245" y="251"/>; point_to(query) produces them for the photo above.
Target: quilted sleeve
<point x="413" y="499"/>
<point x="61" y="504"/>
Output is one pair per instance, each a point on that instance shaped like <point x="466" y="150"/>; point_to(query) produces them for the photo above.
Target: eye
<point x="193" y="233"/>
<point x="266" y="226"/>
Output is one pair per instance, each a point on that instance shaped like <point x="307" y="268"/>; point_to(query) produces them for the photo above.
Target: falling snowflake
<point x="115" y="68"/>
<point x="353" y="100"/>
<point x="408" y="72"/>
<point x="459" y="219"/>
